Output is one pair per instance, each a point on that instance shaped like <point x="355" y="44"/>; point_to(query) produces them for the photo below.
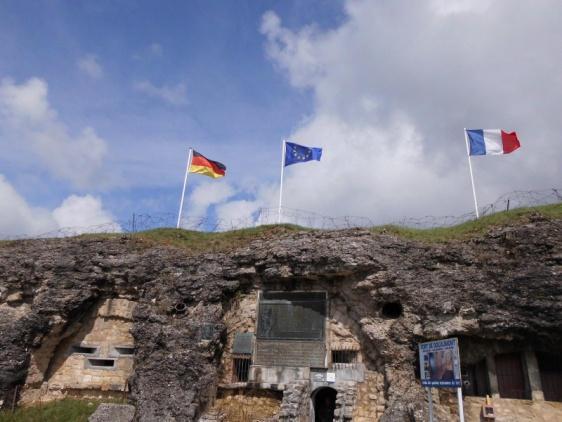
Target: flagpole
<point x="281" y="183"/>
<point x="189" y="158"/>
<point x="471" y="175"/>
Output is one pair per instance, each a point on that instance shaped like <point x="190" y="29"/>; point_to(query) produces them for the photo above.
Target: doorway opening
<point x="324" y="400"/>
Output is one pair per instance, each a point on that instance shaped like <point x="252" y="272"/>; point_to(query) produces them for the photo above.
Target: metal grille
<point x="344" y="357"/>
<point x="292" y="316"/>
<point x="241" y="368"/>
<point x="290" y="353"/>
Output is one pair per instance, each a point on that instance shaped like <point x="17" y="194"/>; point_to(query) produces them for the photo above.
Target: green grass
<point x="66" y="410"/>
<point x="472" y="228"/>
<point x="224" y="241"/>
<point x="195" y="241"/>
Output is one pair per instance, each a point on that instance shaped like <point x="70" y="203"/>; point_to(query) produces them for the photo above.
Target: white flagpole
<point x="189" y="158"/>
<point x="471" y="175"/>
<point x="281" y="183"/>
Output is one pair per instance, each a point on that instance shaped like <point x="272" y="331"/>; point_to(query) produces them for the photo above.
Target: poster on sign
<point x="440" y="363"/>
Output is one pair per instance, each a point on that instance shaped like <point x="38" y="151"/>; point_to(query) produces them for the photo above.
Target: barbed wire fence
<point x="263" y="216"/>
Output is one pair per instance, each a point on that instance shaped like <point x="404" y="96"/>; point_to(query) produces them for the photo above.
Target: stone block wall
<point x="241" y="317"/>
<point x="345" y="401"/>
<point x="295" y="406"/>
<point x="370" y="401"/>
<point x="244" y="405"/>
<point x="342" y="331"/>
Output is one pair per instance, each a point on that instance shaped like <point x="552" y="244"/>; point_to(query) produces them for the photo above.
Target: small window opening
<point x="125" y="351"/>
<point x="241" y="368"/>
<point x="85" y="350"/>
<point x="392" y="310"/>
<point x="347" y="356"/>
<point x="180" y="308"/>
<point x="101" y="363"/>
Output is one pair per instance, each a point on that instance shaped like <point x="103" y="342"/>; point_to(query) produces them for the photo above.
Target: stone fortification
<point x="501" y="289"/>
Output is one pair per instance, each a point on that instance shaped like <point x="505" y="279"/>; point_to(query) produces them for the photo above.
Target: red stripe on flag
<point x="217" y="169"/>
<point x="510" y="142"/>
<point x="199" y="160"/>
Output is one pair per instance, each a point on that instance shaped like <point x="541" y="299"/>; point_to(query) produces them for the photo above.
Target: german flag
<point x="202" y="165"/>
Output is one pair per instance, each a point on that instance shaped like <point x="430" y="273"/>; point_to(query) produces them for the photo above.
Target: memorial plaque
<point x="292" y="316"/>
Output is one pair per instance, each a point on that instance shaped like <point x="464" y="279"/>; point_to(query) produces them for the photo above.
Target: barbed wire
<point x="264" y="216"/>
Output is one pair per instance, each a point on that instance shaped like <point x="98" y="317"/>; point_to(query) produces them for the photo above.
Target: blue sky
<point x="111" y="93"/>
<point x="237" y="107"/>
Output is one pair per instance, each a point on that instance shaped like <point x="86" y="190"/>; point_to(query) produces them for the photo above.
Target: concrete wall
<point x="57" y="371"/>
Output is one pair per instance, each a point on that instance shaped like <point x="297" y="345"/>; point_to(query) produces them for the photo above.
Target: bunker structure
<point x="304" y="345"/>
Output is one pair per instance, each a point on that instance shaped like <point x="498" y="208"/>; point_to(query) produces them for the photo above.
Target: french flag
<point x="492" y="141"/>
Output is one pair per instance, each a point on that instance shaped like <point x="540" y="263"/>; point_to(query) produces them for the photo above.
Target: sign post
<point x="430" y="400"/>
<point x="461" y="410"/>
<point x="440" y="367"/>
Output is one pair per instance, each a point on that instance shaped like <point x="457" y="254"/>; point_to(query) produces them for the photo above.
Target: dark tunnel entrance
<point x="324" y="400"/>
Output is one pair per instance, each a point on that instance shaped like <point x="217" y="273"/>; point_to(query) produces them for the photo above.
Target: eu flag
<point x="295" y="153"/>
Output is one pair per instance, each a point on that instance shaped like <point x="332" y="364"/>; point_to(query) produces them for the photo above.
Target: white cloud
<point x="292" y="51"/>
<point x="206" y="194"/>
<point x="89" y="64"/>
<point x="175" y="95"/>
<point x="237" y="214"/>
<point x="77" y="214"/>
<point x="27" y="118"/>
<point x="84" y="214"/>
<point x="395" y="84"/>
<point x="26" y="103"/>
<point x="17" y="217"/>
<point x="451" y="7"/>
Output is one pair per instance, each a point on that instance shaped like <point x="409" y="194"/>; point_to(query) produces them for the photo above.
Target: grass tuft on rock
<point x="66" y="410"/>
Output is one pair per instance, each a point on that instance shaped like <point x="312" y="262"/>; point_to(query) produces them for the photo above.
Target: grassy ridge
<point x="213" y="242"/>
<point x="198" y="242"/>
<point x="474" y="227"/>
<point x="224" y="241"/>
<point x="66" y="410"/>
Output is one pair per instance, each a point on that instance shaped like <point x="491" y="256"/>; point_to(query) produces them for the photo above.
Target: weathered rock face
<point x="505" y="285"/>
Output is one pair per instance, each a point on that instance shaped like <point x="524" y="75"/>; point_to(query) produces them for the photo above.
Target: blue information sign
<point x="440" y="363"/>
